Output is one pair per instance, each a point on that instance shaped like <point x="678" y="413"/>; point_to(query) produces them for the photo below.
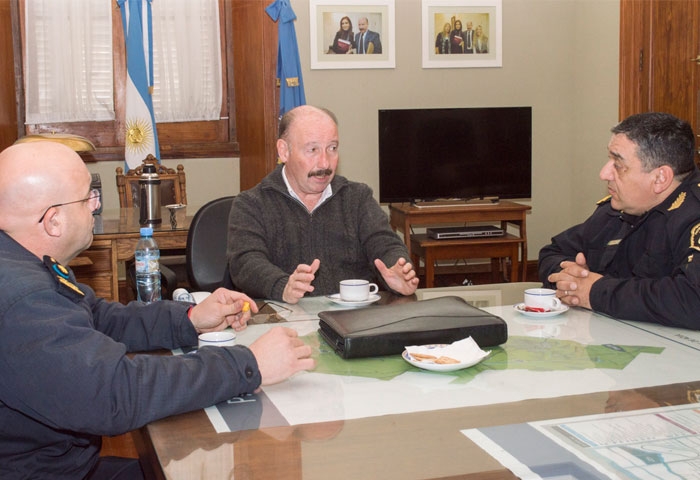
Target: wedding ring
<point x="566" y="293"/>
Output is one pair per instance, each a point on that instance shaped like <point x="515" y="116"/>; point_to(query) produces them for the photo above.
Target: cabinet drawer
<point x="101" y="284"/>
<point x="96" y="259"/>
<point x="93" y="267"/>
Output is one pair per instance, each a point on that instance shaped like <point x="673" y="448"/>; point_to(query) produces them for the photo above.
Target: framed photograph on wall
<point x="352" y="34"/>
<point x="462" y="33"/>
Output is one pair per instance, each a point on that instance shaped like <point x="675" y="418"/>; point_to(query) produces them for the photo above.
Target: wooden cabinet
<point x="115" y="238"/>
<point x="404" y="216"/>
<point x="494" y="248"/>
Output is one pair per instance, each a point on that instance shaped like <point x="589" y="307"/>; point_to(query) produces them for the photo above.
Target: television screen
<point x="455" y="153"/>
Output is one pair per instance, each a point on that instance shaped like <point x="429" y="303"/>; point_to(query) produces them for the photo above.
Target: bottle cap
<point x="146" y="231"/>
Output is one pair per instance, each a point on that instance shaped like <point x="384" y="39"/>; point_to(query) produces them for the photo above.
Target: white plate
<point x="335" y="298"/>
<point x="437" y="367"/>
<point x="552" y="313"/>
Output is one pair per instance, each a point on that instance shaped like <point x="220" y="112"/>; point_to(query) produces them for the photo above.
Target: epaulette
<point x="604" y="200"/>
<point x="65" y="285"/>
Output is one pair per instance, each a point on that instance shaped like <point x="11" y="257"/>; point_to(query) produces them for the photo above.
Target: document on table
<point x="659" y="443"/>
<point x="307" y="308"/>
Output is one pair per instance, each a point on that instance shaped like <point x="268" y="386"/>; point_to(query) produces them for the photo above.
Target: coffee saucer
<point x="520" y="307"/>
<point x="335" y="298"/>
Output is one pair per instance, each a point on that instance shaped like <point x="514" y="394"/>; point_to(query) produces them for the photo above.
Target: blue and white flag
<point x="141" y="136"/>
<point x="288" y="64"/>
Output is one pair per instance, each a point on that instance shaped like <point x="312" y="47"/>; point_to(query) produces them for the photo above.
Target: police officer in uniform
<point x="637" y="257"/>
<point x="66" y="377"/>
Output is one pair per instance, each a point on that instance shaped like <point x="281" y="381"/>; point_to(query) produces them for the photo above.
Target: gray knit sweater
<point x="270" y="233"/>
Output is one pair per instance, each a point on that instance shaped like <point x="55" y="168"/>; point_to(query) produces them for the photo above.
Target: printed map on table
<point x="522" y="353"/>
<point x="527" y="366"/>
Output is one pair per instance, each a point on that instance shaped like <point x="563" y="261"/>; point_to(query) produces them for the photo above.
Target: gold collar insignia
<point x="678" y="201"/>
<point x="62" y="275"/>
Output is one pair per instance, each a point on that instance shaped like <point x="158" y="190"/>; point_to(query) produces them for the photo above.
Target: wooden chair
<point x="172" y="184"/>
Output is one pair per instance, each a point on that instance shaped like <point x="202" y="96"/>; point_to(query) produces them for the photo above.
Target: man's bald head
<point x="302" y="111"/>
<point x="34" y="177"/>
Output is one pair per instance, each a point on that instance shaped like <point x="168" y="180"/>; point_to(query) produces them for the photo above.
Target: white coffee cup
<point x="217" y="339"/>
<point x="356" y="290"/>
<point x="544" y="298"/>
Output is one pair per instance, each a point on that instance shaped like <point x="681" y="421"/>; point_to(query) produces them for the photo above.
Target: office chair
<point x="207" y="267"/>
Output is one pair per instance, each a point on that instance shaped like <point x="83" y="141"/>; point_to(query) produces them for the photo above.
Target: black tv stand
<point x="455" y="202"/>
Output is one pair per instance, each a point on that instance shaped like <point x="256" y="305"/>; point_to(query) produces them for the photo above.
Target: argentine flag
<point x="288" y="63"/>
<point x="141" y="136"/>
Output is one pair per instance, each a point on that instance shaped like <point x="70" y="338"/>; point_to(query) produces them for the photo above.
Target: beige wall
<point x="551" y="61"/>
<point x="559" y="56"/>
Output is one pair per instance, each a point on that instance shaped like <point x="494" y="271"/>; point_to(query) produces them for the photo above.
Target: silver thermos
<point x="149" y="196"/>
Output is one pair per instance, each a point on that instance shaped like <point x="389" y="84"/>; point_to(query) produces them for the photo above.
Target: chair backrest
<point x="206" y="246"/>
<point x="172" y="184"/>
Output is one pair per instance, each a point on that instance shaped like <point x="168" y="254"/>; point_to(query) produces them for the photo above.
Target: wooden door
<point x="660" y="58"/>
<point x="8" y="109"/>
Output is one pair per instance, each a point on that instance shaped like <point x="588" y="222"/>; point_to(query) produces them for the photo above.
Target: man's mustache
<point x="326" y="172"/>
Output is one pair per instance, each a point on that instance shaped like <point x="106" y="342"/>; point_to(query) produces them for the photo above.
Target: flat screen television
<point x="455" y="153"/>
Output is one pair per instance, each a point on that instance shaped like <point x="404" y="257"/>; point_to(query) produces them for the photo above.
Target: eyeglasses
<point x="93" y="200"/>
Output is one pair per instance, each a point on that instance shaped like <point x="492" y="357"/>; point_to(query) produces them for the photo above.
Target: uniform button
<point x="249" y="372"/>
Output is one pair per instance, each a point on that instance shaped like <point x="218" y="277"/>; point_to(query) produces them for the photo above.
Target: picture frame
<point x="484" y="45"/>
<point x="333" y="48"/>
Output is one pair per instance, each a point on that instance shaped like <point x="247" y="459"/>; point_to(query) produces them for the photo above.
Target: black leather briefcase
<point x="388" y="329"/>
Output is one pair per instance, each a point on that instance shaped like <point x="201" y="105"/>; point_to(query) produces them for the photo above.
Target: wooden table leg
<point x="429" y="269"/>
<point x="495" y="270"/>
<point x="514" y="265"/>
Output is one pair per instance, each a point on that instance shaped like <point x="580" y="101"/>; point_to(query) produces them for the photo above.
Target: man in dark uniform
<point x="66" y="377"/>
<point x="638" y="256"/>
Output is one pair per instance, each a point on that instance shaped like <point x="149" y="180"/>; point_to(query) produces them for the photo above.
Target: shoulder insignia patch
<point x="695" y="237"/>
<point x="62" y="275"/>
<point x="678" y="201"/>
<point x="603" y="200"/>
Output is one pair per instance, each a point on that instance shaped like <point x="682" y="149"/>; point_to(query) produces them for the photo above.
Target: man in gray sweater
<point x="303" y="228"/>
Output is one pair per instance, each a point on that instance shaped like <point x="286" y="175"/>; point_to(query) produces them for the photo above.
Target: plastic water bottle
<point x="147" y="257"/>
